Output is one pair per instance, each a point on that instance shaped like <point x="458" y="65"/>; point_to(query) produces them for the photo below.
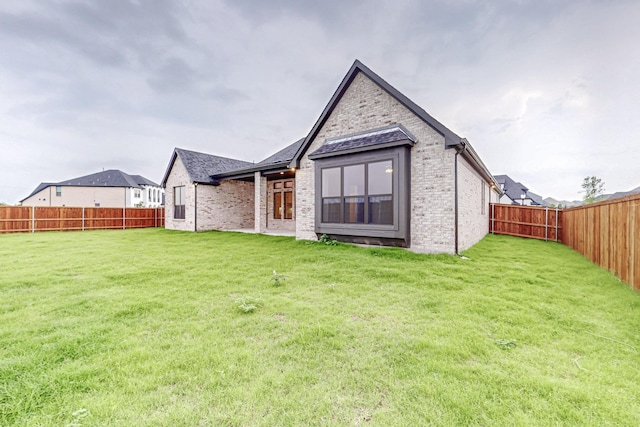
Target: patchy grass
<point x="160" y="328"/>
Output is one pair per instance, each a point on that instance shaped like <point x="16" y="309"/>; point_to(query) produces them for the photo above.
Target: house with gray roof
<point x="110" y="188"/>
<point x="516" y="193"/>
<point x="375" y="169"/>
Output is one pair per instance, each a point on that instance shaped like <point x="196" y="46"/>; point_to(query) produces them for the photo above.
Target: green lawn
<point x="143" y="328"/>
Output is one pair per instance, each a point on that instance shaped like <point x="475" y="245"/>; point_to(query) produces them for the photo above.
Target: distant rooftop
<point x="108" y="178"/>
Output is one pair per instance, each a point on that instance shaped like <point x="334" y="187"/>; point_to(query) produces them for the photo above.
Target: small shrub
<point x="325" y="239"/>
<point x="278" y="279"/>
<point x="506" y="344"/>
<point x="247" y="305"/>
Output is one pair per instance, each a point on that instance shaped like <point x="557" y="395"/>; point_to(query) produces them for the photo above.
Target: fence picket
<point x="16" y="219"/>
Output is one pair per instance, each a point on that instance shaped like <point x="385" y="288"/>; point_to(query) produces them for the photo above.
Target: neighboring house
<point x="375" y="169"/>
<point x="110" y="188"/>
<point x="515" y="193"/>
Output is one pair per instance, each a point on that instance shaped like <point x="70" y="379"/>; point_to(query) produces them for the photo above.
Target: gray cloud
<point x="546" y="91"/>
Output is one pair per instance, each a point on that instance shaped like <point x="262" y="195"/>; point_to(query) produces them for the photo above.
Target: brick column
<point x="260" y="201"/>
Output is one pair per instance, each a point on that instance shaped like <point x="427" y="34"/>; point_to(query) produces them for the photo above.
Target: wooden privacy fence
<point x="608" y="234"/>
<point x="16" y="219"/>
<point x="526" y="221"/>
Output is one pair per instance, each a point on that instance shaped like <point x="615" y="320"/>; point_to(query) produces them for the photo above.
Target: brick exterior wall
<point x="225" y="207"/>
<point x="260" y="207"/>
<point x="473" y="208"/>
<point x="366" y="106"/>
<point x="177" y="177"/>
<point x="228" y="206"/>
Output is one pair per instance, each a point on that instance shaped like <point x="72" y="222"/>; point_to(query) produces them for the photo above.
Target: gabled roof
<point x="514" y="190"/>
<point x="108" y="178"/>
<point x="277" y="161"/>
<point x="283" y="156"/>
<point x="450" y="138"/>
<point x="141" y="180"/>
<point x="201" y="167"/>
<point x="385" y="137"/>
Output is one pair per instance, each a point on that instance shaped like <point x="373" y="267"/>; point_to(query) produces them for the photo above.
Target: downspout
<point x="460" y="147"/>
<point x="195" y="206"/>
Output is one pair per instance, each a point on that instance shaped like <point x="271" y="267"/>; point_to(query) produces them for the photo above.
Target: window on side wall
<point x="58" y="190"/>
<point x="178" y="202"/>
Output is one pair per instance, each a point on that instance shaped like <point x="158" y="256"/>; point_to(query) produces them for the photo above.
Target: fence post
<point x="155" y="217"/>
<point x="124" y="218"/>
<point x="33" y="219"/>
<point x="493" y="218"/>
<point x="83" y="218"/>
<point x="557" y="224"/>
<point x="546" y="224"/>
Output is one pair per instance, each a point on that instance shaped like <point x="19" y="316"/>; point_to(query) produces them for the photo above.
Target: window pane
<point x="331" y="210"/>
<point x="354" y="209"/>
<point x="354" y="180"/>
<point x="381" y="210"/>
<point x="277" y="205"/>
<point x="288" y="205"/>
<point x="178" y="195"/>
<point x="178" y="212"/>
<point x="331" y="182"/>
<point x="381" y="177"/>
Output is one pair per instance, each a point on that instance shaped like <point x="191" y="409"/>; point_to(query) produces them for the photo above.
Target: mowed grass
<point x="142" y="328"/>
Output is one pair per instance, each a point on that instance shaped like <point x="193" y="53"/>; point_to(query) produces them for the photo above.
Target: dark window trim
<point x="401" y="195"/>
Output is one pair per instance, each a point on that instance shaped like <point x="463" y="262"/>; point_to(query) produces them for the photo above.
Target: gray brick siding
<point x="473" y="208"/>
<point x="366" y="106"/>
<point x="225" y="207"/>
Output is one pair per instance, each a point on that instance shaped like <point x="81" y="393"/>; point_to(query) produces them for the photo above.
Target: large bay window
<point x="364" y="197"/>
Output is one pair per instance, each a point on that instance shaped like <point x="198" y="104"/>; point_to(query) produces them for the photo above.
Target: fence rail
<point x="526" y="221"/>
<point x="23" y="219"/>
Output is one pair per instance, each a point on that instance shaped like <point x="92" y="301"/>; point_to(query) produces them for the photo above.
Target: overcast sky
<point x="546" y="92"/>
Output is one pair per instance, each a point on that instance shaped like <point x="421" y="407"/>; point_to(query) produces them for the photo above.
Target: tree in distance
<point x="592" y="188"/>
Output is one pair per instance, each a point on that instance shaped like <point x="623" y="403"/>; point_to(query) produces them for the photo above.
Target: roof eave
<point x="243" y="172"/>
<point x="469" y="153"/>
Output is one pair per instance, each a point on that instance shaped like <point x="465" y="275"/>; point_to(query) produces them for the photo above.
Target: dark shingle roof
<point x="201" y="166"/>
<point x="108" y="178"/>
<point x="284" y="155"/>
<point x="515" y="189"/>
<point x="358" y="142"/>
<point x="141" y="180"/>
